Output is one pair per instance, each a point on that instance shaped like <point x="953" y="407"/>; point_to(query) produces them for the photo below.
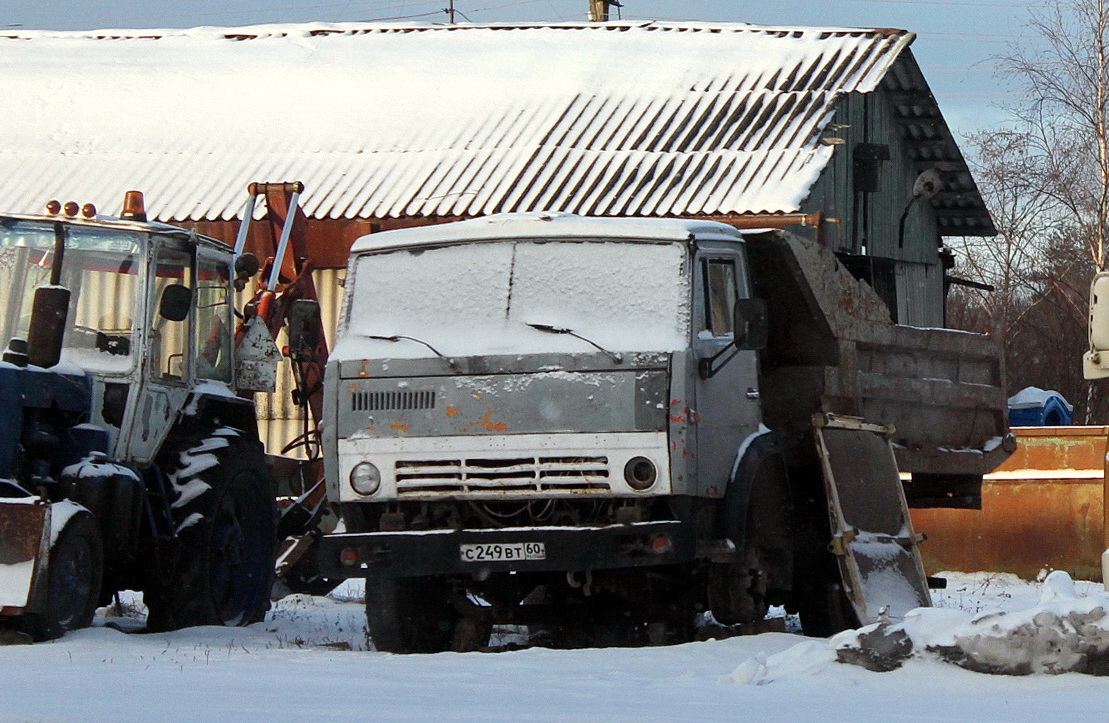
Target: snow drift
<point x="1064" y="633"/>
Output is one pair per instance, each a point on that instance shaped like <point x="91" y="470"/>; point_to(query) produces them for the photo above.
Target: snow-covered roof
<point x="385" y="121"/>
<point x="541" y="224"/>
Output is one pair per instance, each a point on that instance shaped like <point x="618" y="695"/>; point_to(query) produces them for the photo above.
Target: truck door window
<point x="720" y="295"/>
<point x="212" y="337"/>
<point x="168" y="339"/>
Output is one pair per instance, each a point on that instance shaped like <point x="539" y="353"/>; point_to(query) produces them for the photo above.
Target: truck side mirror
<point x="175" y="303"/>
<point x="1095" y="362"/>
<point x="750" y="324"/>
<point x="304" y="326"/>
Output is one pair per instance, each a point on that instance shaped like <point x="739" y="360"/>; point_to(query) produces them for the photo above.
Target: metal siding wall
<point x="279" y="420"/>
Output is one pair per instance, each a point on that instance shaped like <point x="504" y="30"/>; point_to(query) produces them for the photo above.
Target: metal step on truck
<point x="129" y="450"/>
<point x="607" y="428"/>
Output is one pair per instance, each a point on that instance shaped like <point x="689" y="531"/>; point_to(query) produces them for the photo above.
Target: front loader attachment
<point x="24" y="545"/>
<point x="872" y="534"/>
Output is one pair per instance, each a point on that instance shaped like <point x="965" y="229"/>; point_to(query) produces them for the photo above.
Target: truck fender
<point x="760" y="448"/>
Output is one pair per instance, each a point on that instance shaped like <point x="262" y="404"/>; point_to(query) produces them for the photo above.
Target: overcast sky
<point x="956" y="45"/>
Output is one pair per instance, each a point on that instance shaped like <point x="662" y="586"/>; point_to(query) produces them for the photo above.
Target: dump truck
<point x="606" y="428"/>
<point x="129" y="450"/>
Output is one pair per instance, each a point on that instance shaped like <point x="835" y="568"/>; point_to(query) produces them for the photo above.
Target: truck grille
<point x="514" y="475"/>
<point x="401" y="399"/>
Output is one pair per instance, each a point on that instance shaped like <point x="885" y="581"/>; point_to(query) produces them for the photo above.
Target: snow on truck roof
<point x="407" y="120"/>
<point x="547" y="224"/>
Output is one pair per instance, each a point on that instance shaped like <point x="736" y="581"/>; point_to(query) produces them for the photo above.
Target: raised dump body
<point x="832" y="348"/>
<point x="607" y="425"/>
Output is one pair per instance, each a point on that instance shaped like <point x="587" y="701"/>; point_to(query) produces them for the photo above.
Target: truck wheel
<point x="737" y="591"/>
<point x="73" y="580"/>
<point x="823" y="606"/>
<point x="226" y="528"/>
<point x="410" y="615"/>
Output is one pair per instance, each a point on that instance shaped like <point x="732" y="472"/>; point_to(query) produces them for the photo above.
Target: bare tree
<point x="1064" y="80"/>
<point x="1046" y="182"/>
<point x="1023" y="213"/>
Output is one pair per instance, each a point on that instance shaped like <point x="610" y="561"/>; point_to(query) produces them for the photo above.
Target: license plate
<point x="503" y="551"/>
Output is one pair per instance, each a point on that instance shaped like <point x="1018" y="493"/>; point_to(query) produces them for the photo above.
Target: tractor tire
<point x="410" y="615"/>
<point x="226" y="527"/>
<point x="74" y="575"/>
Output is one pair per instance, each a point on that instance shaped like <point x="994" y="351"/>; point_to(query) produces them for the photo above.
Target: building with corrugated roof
<point x="394" y="125"/>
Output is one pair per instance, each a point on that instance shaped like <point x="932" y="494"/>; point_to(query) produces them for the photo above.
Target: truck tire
<point x="225" y="520"/>
<point x="410" y="614"/>
<point x="739" y="592"/>
<point x="822" y="603"/>
<point x="73" y="580"/>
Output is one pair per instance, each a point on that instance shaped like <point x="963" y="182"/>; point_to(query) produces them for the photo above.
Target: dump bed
<point x="833" y="348"/>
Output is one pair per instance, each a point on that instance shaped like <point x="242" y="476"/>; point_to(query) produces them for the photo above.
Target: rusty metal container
<point x="1043" y="508"/>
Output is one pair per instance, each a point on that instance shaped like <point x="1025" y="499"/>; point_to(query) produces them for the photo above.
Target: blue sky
<point x="956" y="45"/>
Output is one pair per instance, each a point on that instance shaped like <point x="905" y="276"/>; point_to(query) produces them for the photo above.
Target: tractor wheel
<point x="410" y="615"/>
<point x="74" y="574"/>
<point x="225" y="521"/>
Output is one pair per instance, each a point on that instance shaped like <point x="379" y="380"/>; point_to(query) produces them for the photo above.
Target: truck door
<point x="167" y="366"/>
<point x="725" y="407"/>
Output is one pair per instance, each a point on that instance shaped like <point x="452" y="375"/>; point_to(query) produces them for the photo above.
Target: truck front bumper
<point x="519" y="549"/>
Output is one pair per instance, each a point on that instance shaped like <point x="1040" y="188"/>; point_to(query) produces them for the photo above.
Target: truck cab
<point x="562" y="416"/>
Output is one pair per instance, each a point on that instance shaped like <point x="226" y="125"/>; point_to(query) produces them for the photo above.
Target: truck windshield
<point x="479" y="298"/>
<point x="101" y="270"/>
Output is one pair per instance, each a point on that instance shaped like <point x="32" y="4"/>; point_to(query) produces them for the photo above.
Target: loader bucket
<point x="24" y="540"/>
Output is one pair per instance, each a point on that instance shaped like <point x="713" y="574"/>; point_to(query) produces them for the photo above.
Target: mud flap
<point x="24" y="546"/>
<point x="872" y="533"/>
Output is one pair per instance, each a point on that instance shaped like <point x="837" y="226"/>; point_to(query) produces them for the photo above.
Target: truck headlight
<point x="640" y="473"/>
<point x="365" y="478"/>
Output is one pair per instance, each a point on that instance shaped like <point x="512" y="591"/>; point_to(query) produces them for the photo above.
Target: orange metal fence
<point x="1042" y="509"/>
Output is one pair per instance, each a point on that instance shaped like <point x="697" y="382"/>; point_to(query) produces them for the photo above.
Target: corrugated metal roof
<point x="383" y="121"/>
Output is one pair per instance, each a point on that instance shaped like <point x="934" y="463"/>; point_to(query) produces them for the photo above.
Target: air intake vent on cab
<point x="398" y="400"/>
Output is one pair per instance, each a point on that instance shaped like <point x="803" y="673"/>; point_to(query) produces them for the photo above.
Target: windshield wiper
<point x="398" y="337"/>
<point x="615" y="356"/>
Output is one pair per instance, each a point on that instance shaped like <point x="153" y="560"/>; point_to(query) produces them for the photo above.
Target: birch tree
<point x="1063" y="77"/>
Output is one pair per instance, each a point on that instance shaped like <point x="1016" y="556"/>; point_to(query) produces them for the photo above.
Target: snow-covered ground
<point x="311" y="660"/>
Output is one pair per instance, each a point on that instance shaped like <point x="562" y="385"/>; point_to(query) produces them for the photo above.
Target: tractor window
<point x="100" y="269"/>
<point x="105" y="288"/>
<point x="720" y="294"/>
<point x="168" y="335"/>
<point x="212" y="340"/>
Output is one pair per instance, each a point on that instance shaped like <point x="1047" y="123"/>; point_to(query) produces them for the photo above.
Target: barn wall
<point x="869" y="222"/>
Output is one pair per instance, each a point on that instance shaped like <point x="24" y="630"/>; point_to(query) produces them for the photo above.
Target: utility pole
<point x="598" y="10"/>
<point x="450" y="13"/>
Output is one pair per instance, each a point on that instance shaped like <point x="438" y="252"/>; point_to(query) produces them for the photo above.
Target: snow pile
<point x="1063" y="633"/>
